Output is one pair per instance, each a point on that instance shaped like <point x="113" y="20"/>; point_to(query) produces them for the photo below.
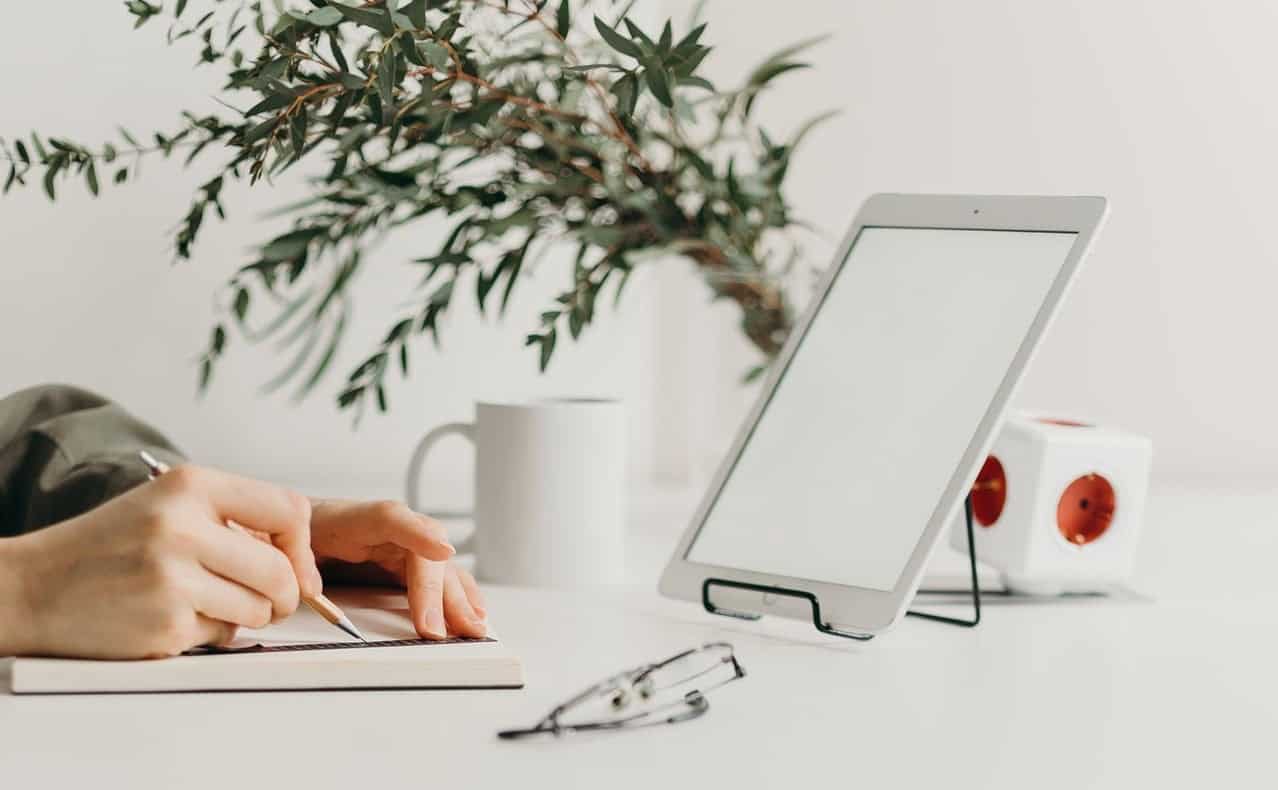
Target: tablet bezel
<point x="859" y="609"/>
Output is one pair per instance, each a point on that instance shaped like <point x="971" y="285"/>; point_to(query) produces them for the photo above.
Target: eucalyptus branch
<point x="402" y="100"/>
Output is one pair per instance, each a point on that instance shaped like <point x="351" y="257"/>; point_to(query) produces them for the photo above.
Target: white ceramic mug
<point x="549" y="490"/>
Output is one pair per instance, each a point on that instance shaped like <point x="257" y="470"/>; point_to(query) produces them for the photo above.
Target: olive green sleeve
<point x="64" y="451"/>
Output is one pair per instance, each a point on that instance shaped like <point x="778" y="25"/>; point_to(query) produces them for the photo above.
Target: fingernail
<point x="435" y="624"/>
<point x="452" y="551"/>
<point x="316" y="583"/>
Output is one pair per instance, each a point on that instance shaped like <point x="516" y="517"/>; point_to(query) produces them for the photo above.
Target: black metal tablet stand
<point x="824" y="627"/>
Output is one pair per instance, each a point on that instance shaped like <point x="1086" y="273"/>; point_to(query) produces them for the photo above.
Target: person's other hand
<point x="155" y="571"/>
<point x="387" y="542"/>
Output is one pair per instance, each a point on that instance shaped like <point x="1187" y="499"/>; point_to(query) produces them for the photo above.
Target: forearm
<point x="15" y="610"/>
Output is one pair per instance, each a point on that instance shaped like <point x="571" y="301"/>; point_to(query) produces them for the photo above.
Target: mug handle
<point x="413" y="478"/>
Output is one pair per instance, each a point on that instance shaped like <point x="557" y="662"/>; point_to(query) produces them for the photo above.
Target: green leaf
<point x="408" y="46"/>
<point x="637" y="33"/>
<point x="290" y="245"/>
<point x="386" y="79"/>
<point x="326" y="359"/>
<point x="547" y="348"/>
<point x="336" y="288"/>
<point x="684" y="66"/>
<point x="626" y="90"/>
<point x="416" y="13"/>
<point x="351" y="81"/>
<point x="697" y="82"/>
<point x="771" y="71"/>
<point x="483" y="286"/>
<point x="449" y="27"/>
<point x="563" y="19"/>
<point x="658" y="82"/>
<point x="22" y="152"/>
<point x="445" y="259"/>
<point x="512" y="274"/>
<point x="754" y="373"/>
<point x="324" y="17"/>
<point x="809" y="126"/>
<point x="443" y="295"/>
<point x="797" y="47"/>
<point x="91" y="176"/>
<point x="142" y="10"/>
<point x="374" y="105"/>
<point x="576" y="319"/>
<point x="667" y="38"/>
<point x="398" y="331"/>
<point x="286" y="374"/>
<point x="49" y="175"/>
<point x="398" y="20"/>
<point x="181" y="6"/>
<point x="593" y="66"/>
<point x="241" y="306"/>
<point x="297" y="133"/>
<point x="765" y="74"/>
<point x="255" y="133"/>
<point x="275" y="69"/>
<point x="335" y="48"/>
<point x="435" y="55"/>
<point x="691" y="40"/>
<point x="377" y="20"/>
<point x="273" y="102"/>
<point x="352" y="395"/>
<point x="621" y="287"/>
<point x="617" y="41"/>
<point x="206" y="373"/>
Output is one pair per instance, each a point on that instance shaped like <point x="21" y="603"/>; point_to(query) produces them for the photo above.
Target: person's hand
<point x="381" y="542"/>
<point x="155" y="571"/>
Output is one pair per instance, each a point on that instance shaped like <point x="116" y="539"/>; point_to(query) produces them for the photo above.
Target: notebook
<point x="301" y="653"/>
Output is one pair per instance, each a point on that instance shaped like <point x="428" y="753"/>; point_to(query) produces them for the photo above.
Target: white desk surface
<point x="1181" y="692"/>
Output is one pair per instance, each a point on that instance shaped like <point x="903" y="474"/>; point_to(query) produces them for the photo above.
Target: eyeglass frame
<point x="694" y="702"/>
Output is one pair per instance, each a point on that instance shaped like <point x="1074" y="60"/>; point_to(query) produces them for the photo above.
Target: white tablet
<point x="881" y="408"/>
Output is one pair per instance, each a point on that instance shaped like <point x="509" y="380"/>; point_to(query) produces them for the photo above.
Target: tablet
<point x="877" y="415"/>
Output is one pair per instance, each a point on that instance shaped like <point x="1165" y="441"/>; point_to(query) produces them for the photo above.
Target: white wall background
<point x="1166" y="108"/>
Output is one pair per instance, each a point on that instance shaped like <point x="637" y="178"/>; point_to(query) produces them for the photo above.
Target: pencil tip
<point x="346" y="625"/>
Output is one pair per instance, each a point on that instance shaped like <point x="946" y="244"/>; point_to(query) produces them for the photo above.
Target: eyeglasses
<point x="667" y="692"/>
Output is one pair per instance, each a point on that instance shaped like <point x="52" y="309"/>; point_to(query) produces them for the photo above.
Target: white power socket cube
<point x="1058" y="505"/>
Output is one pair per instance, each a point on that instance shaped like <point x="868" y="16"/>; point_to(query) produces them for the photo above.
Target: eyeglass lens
<point x="657" y="689"/>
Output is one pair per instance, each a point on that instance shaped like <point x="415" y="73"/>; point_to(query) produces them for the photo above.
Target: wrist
<point x="16" y="621"/>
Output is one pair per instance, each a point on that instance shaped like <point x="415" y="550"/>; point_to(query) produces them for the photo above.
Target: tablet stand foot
<point x="966" y="622"/>
<point x="825" y="627"/>
<point x="820" y="625"/>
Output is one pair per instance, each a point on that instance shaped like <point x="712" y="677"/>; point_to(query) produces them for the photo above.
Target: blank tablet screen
<point x="860" y="438"/>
